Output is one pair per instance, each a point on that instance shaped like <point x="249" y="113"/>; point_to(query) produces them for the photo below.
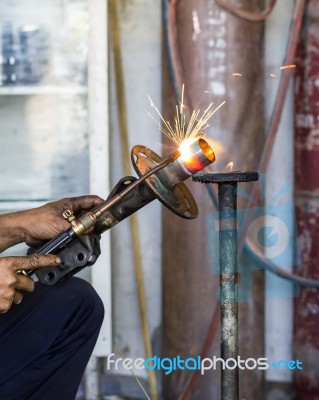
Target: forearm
<point x="11" y="230"/>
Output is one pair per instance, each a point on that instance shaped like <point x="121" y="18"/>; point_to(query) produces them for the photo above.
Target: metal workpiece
<point x="177" y="198"/>
<point x="167" y="184"/>
<point x="198" y="155"/>
<point x="133" y="184"/>
<point x="158" y="178"/>
<point x="128" y="196"/>
<point x="227" y="196"/>
<point x="195" y="156"/>
<point x="134" y="201"/>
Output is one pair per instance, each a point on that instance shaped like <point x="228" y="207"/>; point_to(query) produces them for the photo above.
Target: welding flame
<point x="185" y="150"/>
<point x="184" y="129"/>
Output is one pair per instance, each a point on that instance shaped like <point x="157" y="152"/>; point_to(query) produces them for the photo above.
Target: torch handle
<point x="55" y="245"/>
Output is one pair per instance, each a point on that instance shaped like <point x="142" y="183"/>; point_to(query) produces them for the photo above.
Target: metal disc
<point x="223" y="177"/>
<point x="177" y="198"/>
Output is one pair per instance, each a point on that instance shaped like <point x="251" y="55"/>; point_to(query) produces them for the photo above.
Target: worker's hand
<point x="42" y="223"/>
<point x="13" y="284"/>
<point x="45" y="222"/>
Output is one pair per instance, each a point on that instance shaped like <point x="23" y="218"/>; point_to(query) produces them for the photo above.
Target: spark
<point x="273" y="75"/>
<point x="230" y="165"/>
<point x="183" y="129"/>
<point x="288" y="66"/>
<point x="237" y="74"/>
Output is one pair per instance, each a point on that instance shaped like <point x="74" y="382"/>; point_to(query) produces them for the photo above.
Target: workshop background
<point x="77" y="82"/>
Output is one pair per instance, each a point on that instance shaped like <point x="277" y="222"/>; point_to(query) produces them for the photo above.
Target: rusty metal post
<point x="227" y="195"/>
<point x="306" y="323"/>
<point x="228" y="287"/>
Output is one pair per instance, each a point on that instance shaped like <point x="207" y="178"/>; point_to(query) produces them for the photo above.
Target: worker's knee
<point x="75" y="301"/>
<point x="79" y="296"/>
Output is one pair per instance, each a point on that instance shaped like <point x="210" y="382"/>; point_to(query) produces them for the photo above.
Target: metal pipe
<point x="227" y="195"/>
<point x="228" y="286"/>
<point x="195" y="156"/>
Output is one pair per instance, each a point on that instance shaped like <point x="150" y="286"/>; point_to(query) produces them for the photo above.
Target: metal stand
<point x="227" y="194"/>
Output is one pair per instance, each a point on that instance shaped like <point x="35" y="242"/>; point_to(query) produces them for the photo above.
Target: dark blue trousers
<point x="46" y="341"/>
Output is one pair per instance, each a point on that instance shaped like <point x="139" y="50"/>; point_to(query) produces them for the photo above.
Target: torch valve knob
<point x="68" y="215"/>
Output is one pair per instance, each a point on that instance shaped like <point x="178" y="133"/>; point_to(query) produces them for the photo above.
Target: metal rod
<point x="227" y="195"/>
<point x="228" y="287"/>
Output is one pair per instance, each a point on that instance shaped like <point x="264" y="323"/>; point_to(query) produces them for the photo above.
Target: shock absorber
<point x="158" y="179"/>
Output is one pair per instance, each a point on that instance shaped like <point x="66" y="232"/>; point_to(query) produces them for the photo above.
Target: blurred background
<point x="77" y="82"/>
